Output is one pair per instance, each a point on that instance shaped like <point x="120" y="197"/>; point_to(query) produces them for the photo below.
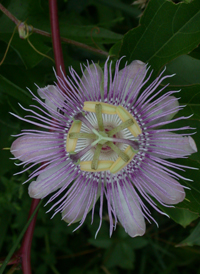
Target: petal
<point x="170" y="145"/>
<point x="33" y="148"/>
<point x="132" y="70"/>
<point x="50" y="179"/>
<point x="161" y="186"/>
<point x="128" y="211"/>
<point x="81" y="201"/>
<point x="135" y="71"/>
<point x="92" y="81"/>
<point x="169" y="104"/>
<point x="53" y="98"/>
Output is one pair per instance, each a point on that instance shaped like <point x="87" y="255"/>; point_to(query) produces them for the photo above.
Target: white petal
<point x="81" y="203"/>
<point x="134" y="71"/>
<point x="168" y="190"/>
<point x="171" y="145"/>
<point x="129" y="214"/>
<point x="29" y="147"/>
<point x="47" y="182"/>
<point x="52" y="96"/>
<point x="168" y="107"/>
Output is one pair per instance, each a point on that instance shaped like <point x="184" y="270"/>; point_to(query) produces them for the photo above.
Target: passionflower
<point x="102" y="138"/>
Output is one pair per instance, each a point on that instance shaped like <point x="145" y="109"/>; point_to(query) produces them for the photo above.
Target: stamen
<point x="81" y="117"/>
<point x="77" y="135"/>
<point x="98" y="110"/>
<point x="119" y="152"/>
<point x="133" y="144"/>
<point x="75" y="157"/>
<point x="122" y="126"/>
<point x="95" y="159"/>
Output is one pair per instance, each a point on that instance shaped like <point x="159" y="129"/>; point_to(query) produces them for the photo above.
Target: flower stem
<point x="58" y="55"/>
<point x="31" y="221"/>
<point x="27" y="239"/>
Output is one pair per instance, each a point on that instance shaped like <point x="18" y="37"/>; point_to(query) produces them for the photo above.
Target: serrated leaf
<point x="166" y="31"/>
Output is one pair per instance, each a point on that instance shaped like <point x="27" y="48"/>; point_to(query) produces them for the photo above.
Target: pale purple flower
<point x="101" y="139"/>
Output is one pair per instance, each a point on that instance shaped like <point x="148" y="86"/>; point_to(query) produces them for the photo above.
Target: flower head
<point x="102" y="137"/>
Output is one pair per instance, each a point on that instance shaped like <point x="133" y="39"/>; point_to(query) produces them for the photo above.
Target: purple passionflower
<point x="102" y="137"/>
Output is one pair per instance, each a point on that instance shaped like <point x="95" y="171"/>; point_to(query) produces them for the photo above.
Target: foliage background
<point x="168" y="33"/>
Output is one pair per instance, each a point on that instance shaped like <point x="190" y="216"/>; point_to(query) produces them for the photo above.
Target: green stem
<point x="11" y="252"/>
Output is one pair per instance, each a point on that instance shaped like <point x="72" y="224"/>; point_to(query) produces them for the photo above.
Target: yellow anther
<point x="106" y="108"/>
<point x="102" y="166"/>
<point x="120" y="163"/>
<point x="71" y="143"/>
<point x="124" y="115"/>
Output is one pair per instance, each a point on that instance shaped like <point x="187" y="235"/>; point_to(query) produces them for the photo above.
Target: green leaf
<point x="29" y="56"/>
<point x="186" y="69"/>
<point x="116" y="49"/>
<point x="103" y="243"/>
<point x="23" y="10"/>
<point x="192" y="201"/>
<point x="193" y="238"/>
<point x="4" y="224"/>
<point x="89" y="34"/>
<point x="189" y="96"/>
<point x="180" y="215"/>
<point x="166" y="31"/>
<point x="121" y="255"/>
<point x="131" y="10"/>
<point x="15" y="91"/>
<point x="195" y="53"/>
<point x="136" y="243"/>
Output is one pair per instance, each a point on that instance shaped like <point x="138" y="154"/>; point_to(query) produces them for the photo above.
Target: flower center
<point x="99" y="139"/>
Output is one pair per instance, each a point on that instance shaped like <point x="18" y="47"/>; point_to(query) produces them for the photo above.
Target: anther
<point x="98" y="110"/>
<point x="83" y="135"/>
<point x="79" y="116"/>
<point x="119" y="152"/>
